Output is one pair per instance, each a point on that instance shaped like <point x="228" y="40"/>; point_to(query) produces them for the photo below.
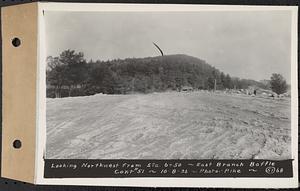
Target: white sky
<point x="249" y="44"/>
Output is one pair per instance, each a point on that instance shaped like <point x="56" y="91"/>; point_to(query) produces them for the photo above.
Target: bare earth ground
<point x="174" y="125"/>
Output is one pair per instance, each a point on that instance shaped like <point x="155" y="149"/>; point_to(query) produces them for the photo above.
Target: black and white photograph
<point x="168" y="85"/>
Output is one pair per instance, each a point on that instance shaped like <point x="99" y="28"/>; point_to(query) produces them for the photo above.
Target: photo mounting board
<point x="24" y="107"/>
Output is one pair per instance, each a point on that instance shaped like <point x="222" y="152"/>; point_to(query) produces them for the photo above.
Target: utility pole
<point x="215" y="85"/>
<point x="132" y="84"/>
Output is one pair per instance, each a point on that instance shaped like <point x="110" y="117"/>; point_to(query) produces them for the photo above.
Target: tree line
<point x="70" y="74"/>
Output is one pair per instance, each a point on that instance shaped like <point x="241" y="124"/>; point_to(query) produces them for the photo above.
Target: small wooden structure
<point x="187" y="88"/>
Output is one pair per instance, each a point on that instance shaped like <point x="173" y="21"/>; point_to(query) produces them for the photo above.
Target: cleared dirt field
<point x="194" y="125"/>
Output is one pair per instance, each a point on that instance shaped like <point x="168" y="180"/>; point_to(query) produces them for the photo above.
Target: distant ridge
<point x="160" y="73"/>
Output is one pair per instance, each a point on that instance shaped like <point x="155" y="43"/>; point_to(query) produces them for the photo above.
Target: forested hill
<point x="71" y="73"/>
<point x="169" y="72"/>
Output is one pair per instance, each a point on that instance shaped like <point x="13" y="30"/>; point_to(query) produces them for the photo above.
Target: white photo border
<point x="160" y="182"/>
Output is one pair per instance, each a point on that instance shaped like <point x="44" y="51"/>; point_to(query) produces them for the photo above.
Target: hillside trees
<point x="70" y="75"/>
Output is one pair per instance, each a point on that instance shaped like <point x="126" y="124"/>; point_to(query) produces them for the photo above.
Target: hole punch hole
<point x="16" y="42"/>
<point x="17" y="144"/>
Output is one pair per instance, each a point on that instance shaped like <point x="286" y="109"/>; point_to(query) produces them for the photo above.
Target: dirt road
<point x="195" y="125"/>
